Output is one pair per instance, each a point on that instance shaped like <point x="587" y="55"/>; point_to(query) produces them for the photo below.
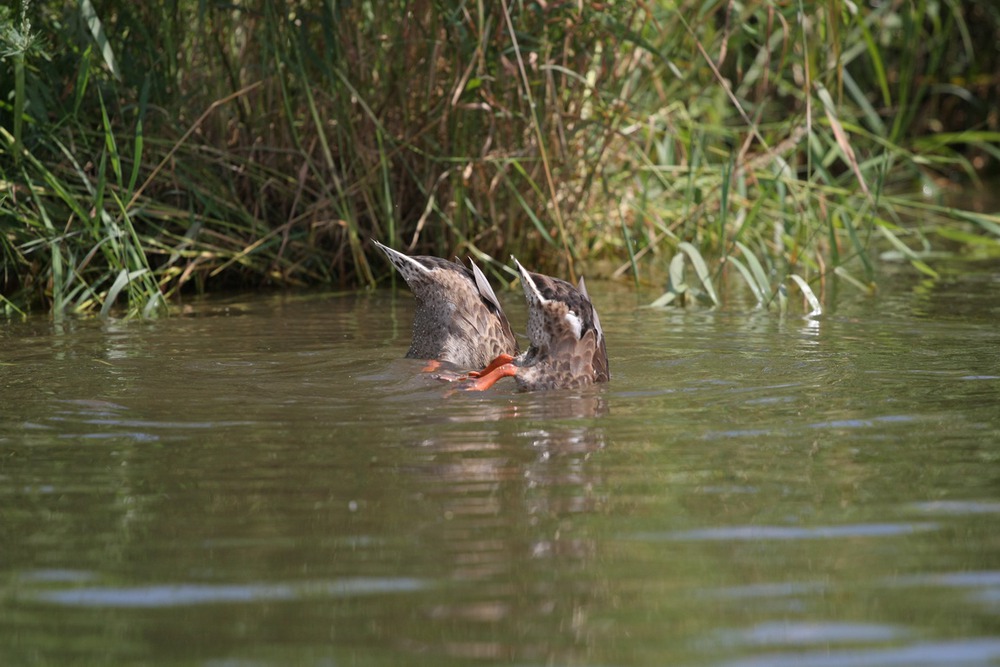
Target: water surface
<point x="267" y="481"/>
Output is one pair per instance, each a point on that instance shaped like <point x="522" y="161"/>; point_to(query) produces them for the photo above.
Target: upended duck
<point x="567" y="347"/>
<point x="458" y="319"/>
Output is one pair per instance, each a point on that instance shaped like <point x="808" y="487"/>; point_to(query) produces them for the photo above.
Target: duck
<point x="567" y="347"/>
<point x="458" y="319"/>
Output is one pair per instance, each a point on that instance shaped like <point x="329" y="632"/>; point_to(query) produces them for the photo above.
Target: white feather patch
<point x="574" y="323"/>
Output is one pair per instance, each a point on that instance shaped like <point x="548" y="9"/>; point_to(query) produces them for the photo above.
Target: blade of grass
<point x="749" y="279"/>
<point x="701" y="269"/>
<point x="124" y="278"/>
<point x="758" y="271"/>
<point x="808" y="294"/>
<point x="89" y="15"/>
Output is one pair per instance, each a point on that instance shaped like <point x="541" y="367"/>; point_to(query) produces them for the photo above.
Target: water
<point x="268" y="482"/>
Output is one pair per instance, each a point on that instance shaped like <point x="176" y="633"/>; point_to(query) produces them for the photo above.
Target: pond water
<point x="267" y="481"/>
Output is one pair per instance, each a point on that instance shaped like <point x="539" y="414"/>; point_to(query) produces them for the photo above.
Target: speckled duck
<point x="567" y="343"/>
<point x="458" y="319"/>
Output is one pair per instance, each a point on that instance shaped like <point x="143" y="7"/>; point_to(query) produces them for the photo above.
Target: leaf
<point x="700" y="268"/>
<point x="123" y="279"/>
<point x="843" y="273"/>
<point x="808" y="294"/>
<point x="924" y="268"/>
<point x="748" y="277"/>
<point x="97" y="31"/>
<point x="664" y="300"/>
<point x="899" y="245"/>
<point x="980" y="219"/>
<point x="758" y="270"/>
<point x="852" y="233"/>
<point x="677" y="275"/>
<point x="838" y="132"/>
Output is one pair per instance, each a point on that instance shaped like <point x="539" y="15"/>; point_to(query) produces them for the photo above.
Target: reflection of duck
<point x="567" y="342"/>
<point x="458" y="317"/>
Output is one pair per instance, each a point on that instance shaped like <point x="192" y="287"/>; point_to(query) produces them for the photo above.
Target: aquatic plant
<point x="152" y="148"/>
<point x="766" y="293"/>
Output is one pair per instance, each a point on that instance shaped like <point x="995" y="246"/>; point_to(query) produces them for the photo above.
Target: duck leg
<point x="493" y="365"/>
<point x="486" y="380"/>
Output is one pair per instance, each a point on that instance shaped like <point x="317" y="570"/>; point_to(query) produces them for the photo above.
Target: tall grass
<point x="804" y="169"/>
<point x="148" y="149"/>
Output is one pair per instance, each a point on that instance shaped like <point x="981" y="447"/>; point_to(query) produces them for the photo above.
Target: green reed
<point x="152" y="148"/>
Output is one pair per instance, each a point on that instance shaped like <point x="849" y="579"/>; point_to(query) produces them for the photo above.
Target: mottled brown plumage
<point x="458" y="318"/>
<point x="567" y="343"/>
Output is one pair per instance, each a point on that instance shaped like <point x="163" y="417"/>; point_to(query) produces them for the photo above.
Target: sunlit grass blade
<point x="89" y="15"/>
<point x="907" y="252"/>
<point x="843" y="142"/>
<point x="121" y="282"/>
<point x="807" y="292"/>
<point x="756" y="269"/>
<point x="751" y="282"/>
<point x="676" y="287"/>
<point x="701" y="269"/>
<point x="850" y="279"/>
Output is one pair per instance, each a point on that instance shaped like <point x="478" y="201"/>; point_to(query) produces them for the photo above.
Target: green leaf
<point x="843" y="273"/>
<point x="748" y="277"/>
<point x="124" y="278"/>
<point x="817" y="309"/>
<point x="755" y="266"/>
<point x="93" y="22"/>
<point x="700" y="268"/>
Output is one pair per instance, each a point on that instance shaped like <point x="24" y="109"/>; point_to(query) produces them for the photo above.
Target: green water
<point x="267" y="482"/>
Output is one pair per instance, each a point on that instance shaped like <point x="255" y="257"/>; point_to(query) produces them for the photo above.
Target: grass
<point x="152" y="149"/>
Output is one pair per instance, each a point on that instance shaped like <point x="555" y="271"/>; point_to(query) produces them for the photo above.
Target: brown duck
<point x="567" y="342"/>
<point x="458" y="318"/>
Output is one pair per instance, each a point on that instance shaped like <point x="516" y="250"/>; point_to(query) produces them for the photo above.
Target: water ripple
<point x="769" y="590"/>
<point x="967" y="652"/>
<point x="746" y="533"/>
<point x="956" y="507"/>
<point x="863" y="423"/>
<point x="977" y="579"/>
<point x="174" y="595"/>
<point x="806" y="633"/>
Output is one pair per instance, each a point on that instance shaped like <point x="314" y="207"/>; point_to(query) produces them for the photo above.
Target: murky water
<point x="268" y="482"/>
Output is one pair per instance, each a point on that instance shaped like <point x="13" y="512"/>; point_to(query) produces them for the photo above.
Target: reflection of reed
<point x="509" y="509"/>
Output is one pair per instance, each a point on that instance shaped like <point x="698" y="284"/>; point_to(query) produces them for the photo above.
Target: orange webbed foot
<point x="486" y="380"/>
<point x="493" y="365"/>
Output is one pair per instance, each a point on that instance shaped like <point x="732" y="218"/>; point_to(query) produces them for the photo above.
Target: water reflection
<point x="511" y="506"/>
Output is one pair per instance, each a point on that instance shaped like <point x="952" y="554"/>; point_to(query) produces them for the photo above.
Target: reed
<point x="152" y="149"/>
